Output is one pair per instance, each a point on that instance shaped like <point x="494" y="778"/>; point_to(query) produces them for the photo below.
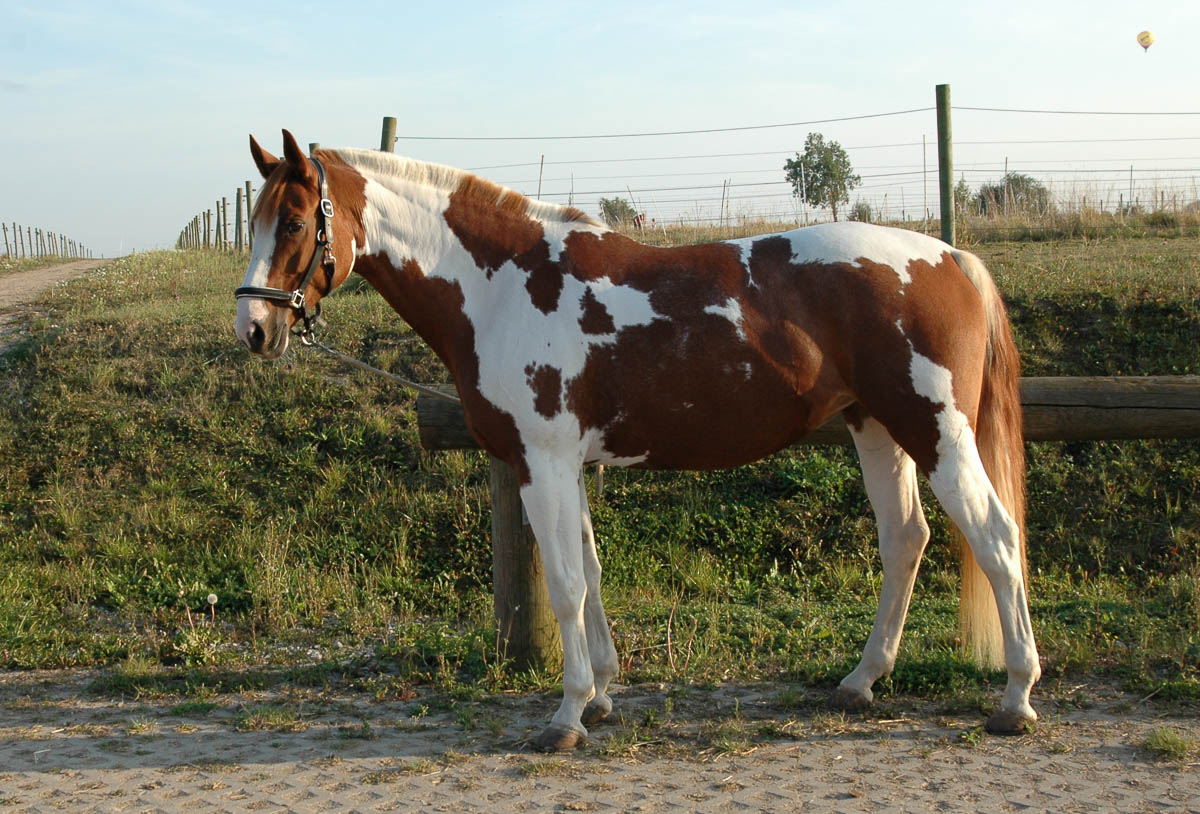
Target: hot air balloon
<point x="1145" y="39"/>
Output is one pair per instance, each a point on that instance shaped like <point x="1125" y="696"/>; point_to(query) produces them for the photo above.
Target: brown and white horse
<point x="572" y="344"/>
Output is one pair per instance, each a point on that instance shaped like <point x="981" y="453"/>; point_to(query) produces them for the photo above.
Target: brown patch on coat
<point x="494" y="225"/>
<point x="546" y="383"/>
<point x="595" y="319"/>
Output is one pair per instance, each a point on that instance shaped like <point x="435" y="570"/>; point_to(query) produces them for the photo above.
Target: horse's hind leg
<point x="600" y="645"/>
<point x="891" y="481"/>
<point x="964" y="490"/>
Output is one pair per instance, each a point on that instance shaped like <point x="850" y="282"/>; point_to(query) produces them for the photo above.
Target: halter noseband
<point x="323" y="256"/>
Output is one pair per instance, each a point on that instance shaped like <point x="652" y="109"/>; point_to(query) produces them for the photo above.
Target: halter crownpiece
<point x="323" y="256"/>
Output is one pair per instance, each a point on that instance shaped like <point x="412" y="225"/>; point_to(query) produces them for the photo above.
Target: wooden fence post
<point x="237" y="232"/>
<point x="527" y="628"/>
<point x="225" y="224"/>
<point x="387" y="140"/>
<point x="249" y="231"/>
<point x="7" y="253"/>
<point x="945" y="162"/>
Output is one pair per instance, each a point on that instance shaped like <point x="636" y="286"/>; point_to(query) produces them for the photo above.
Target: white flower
<point x="212" y="599"/>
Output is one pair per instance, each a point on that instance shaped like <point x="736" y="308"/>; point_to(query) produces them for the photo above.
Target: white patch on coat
<point x="850" y="241"/>
<point x="935" y="382"/>
<point x="732" y="311"/>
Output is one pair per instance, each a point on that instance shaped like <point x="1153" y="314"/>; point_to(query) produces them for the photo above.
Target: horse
<point x="570" y="344"/>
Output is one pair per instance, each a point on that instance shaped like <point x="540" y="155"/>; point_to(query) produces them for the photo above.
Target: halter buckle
<point x="327" y="207"/>
<point x="297" y="300"/>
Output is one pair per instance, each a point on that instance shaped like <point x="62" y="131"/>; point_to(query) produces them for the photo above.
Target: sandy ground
<point x="735" y="748"/>
<point x="64" y="747"/>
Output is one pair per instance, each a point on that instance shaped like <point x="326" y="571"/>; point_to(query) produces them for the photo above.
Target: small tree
<point x="861" y="211"/>
<point x="962" y="196"/>
<point x="1014" y="193"/>
<point x="617" y="211"/>
<point x="822" y="175"/>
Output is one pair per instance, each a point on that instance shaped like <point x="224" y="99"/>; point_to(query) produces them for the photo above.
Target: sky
<point x="120" y="121"/>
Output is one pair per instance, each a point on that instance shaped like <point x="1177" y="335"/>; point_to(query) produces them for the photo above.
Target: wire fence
<point x="1112" y="164"/>
<point x="31" y="242"/>
<point x="1122" y="172"/>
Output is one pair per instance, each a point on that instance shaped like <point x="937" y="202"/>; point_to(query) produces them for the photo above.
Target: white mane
<point x="382" y="165"/>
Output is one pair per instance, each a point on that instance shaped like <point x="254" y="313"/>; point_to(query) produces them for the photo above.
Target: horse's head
<point x="292" y="265"/>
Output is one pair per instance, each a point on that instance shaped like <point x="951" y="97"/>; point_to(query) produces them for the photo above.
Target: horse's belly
<point x="719" y="433"/>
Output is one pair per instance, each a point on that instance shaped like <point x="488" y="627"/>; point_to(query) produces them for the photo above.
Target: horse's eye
<point x="294" y="226"/>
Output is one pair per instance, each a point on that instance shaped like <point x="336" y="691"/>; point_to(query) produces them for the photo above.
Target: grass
<point x="1167" y="744"/>
<point x="146" y="461"/>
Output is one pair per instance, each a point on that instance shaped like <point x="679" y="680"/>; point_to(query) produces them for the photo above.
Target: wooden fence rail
<point x="28" y="241"/>
<point x="1058" y="408"/>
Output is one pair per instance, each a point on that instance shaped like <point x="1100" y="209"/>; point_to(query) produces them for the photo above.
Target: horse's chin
<point x="276" y="346"/>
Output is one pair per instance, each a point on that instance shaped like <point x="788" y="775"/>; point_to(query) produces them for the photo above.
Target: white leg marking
<point x="552" y="502"/>
<point x="891" y="481"/>
<point x="963" y="488"/>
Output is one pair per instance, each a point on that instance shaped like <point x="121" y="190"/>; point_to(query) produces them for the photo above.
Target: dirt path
<point x="732" y="749"/>
<point x="23" y="287"/>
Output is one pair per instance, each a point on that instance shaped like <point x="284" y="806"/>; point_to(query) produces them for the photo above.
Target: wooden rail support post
<point x="945" y="162"/>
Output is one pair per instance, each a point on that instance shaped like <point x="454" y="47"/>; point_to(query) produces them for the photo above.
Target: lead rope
<point x="309" y="339"/>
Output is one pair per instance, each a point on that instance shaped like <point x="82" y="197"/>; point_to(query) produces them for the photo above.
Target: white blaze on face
<point x="251" y="309"/>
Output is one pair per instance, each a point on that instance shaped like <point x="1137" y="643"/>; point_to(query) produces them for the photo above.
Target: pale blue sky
<point x="120" y="121"/>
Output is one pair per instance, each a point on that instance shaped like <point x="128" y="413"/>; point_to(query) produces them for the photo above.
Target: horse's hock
<point x="1056" y="408"/>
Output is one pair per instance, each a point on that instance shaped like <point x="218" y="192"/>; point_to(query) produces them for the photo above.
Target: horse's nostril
<point x="257" y="337"/>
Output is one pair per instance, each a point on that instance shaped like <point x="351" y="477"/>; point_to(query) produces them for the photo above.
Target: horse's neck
<point x="415" y="262"/>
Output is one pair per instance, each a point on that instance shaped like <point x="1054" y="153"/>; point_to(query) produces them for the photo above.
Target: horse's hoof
<point x="594" y="713"/>
<point x="849" y="700"/>
<point x="1003" y="722"/>
<point x="557" y="739"/>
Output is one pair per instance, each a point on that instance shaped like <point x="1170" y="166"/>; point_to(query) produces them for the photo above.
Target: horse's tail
<point x="1001" y="446"/>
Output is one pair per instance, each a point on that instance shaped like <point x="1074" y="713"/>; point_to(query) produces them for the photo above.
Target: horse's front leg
<point x="552" y="502"/>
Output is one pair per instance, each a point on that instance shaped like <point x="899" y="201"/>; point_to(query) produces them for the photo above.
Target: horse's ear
<point x="296" y="159"/>
<point x="265" y="162"/>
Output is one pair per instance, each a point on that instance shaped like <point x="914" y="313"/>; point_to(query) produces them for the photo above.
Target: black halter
<point x="323" y="256"/>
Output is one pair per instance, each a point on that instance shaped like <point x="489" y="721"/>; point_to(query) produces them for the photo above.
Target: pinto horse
<point x="572" y="344"/>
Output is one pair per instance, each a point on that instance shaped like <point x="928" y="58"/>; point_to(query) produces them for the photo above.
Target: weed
<point x="546" y="767"/>
<point x="361" y="731"/>
<point x="141" y="725"/>
<point x="269" y="717"/>
<point x="193" y="709"/>
<point x="1165" y="743"/>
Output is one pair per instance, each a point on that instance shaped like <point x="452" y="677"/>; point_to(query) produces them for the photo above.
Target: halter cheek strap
<point x="322" y="257"/>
